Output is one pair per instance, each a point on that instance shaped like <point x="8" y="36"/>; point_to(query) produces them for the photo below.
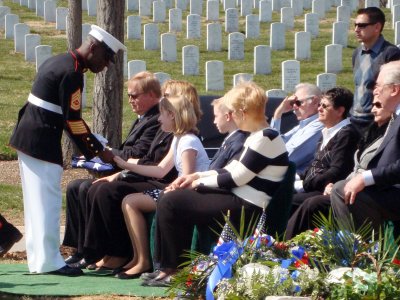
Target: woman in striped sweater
<point x="201" y="198"/>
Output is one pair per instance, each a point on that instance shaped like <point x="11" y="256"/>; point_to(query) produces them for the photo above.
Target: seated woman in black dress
<point x="249" y="182"/>
<point x="302" y="219"/>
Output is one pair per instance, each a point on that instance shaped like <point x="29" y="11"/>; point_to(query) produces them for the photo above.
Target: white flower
<point x="254" y="268"/>
<point x="336" y="275"/>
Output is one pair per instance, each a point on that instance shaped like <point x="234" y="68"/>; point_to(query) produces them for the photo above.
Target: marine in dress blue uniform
<point x="53" y="105"/>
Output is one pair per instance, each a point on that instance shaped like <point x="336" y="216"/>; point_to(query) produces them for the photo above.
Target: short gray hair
<point x="311" y="89"/>
<point x="392" y="72"/>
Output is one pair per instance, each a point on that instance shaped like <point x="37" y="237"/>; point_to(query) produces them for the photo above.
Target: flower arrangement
<point x="333" y="261"/>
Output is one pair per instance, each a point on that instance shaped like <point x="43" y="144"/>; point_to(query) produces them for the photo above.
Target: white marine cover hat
<point x="103" y="36"/>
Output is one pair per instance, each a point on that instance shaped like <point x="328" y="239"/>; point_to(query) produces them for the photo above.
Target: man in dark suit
<point x="145" y="142"/>
<point x="374" y="195"/>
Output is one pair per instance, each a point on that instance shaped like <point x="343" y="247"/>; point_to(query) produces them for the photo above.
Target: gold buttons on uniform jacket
<point x="91" y="145"/>
<point x="97" y="151"/>
<point x="88" y="138"/>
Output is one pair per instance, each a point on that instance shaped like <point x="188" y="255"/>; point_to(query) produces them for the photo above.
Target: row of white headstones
<point x="29" y="44"/>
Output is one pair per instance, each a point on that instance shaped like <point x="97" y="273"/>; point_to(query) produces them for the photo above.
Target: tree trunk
<point x="108" y="85"/>
<point x="74" y="33"/>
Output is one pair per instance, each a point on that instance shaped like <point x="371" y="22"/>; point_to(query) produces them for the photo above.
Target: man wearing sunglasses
<point x="373" y="52"/>
<point x="301" y="141"/>
<point x="373" y="195"/>
<point x="53" y="105"/>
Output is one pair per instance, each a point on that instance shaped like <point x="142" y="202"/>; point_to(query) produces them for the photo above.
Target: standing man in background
<point x="53" y="105"/>
<point x="367" y="59"/>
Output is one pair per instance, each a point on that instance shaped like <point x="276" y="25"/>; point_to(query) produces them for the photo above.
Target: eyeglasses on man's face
<point x="362" y="25"/>
<point x="134" y="96"/>
<point x="300" y="102"/>
<point x="377" y="104"/>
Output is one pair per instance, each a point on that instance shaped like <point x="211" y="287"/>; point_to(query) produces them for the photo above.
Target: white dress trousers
<point x="41" y="188"/>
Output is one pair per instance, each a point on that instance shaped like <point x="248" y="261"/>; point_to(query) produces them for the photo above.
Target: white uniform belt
<point x="45" y="104"/>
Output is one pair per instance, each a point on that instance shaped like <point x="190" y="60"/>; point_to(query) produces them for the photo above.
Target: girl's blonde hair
<point x="181" y="87"/>
<point x="184" y="114"/>
<point x="248" y="97"/>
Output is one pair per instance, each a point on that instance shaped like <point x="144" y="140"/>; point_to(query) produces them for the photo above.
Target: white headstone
<point x="23" y="2"/>
<point x="190" y="60"/>
<point x="318" y="7"/>
<point x="159" y="11"/>
<point x="32" y="4"/>
<point x="84" y="5"/>
<point x="347" y="3"/>
<point x="214" y="75"/>
<point x="397" y="33"/>
<point x="231" y="20"/>
<point x="372" y="3"/>
<point x="196" y="7"/>
<point x="340" y="33"/>
<point x="276" y="93"/>
<point x="20" y="29"/>
<point x="50" y="11"/>
<point x="162" y="77"/>
<point x="236" y="46"/>
<point x="136" y="66"/>
<point x="395" y="14"/>
<point x="10" y="21"/>
<point x="393" y="4"/>
<point x="145" y="8"/>
<point x="4" y="10"/>
<point x="175" y="20"/>
<point x="252" y="26"/>
<point x="134" y="27"/>
<point x="343" y="14"/>
<point x="286" y="3"/>
<point x="277" y="37"/>
<point x="214" y="37"/>
<point x="242" y="77"/>
<point x="61" y="18"/>
<point x="85" y="30"/>
<point x="151" y="37"/>
<point x="311" y="24"/>
<point x="246" y="7"/>
<point x="297" y="6"/>
<point x="132" y="5"/>
<point x="326" y="81"/>
<point x="229" y="4"/>
<point x="262" y="59"/>
<point x="181" y="4"/>
<point x="212" y="10"/>
<point x="42" y="53"/>
<point x="290" y="75"/>
<point x="307" y="4"/>
<point x="92" y="7"/>
<point x="302" y="45"/>
<point x="333" y="58"/>
<point x="40" y="8"/>
<point x="168" y="47"/>
<point x="287" y="17"/>
<point x="193" y="25"/>
<point x="265" y="10"/>
<point x="276" y="5"/>
<point x="31" y="42"/>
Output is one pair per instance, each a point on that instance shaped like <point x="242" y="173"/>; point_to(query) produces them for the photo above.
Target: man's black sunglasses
<point x="362" y="25"/>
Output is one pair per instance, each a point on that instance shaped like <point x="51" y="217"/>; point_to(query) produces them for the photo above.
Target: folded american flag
<point x="95" y="164"/>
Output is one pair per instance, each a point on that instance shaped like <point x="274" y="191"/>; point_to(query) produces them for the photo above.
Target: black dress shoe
<point x="118" y="270"/>
<point x="14" y="236"/>
<point x="73" y="258"/>
<point x="159" y="282"/>
<point x="123" y="275"/>
<point x="67" y="271"/>
<point x="82" y="264"/>
<point x="152" y="275"/>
